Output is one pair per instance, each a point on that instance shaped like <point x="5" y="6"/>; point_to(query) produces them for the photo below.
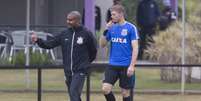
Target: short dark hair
<point x="116" y="1"/>
<point x="118" y="8"/>
<point x="76" y="14"/>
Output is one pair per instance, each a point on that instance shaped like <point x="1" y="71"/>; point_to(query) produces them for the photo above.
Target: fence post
<point x="88" y="87"/>
<point x="133" y="87"/>
<point x="131" y="94"/>
<point x="39" y="84"/>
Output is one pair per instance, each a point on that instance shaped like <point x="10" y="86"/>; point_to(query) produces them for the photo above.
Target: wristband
<point x="105" y="32"/>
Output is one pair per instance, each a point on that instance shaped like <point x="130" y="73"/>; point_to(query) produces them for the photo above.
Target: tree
<point x="131" y="8"/>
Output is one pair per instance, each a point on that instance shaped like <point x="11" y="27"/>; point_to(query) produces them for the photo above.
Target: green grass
<point x="150" y="79"/>
<point x="54" y="80"/>
<point x="94" y="97"/>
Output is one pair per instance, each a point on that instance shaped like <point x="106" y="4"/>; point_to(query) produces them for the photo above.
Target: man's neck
<point x="76" y="27"/>
<point x="122" y="21"/>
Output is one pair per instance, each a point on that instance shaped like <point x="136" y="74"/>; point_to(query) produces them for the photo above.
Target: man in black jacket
<point x="147" y="17"/>
<point x="79" y="50"/>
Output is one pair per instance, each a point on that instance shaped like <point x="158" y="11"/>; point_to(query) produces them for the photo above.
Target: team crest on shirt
<point x="79" y="40"/>
<point x="124" y="32"/>
<point x="152" y="5"/>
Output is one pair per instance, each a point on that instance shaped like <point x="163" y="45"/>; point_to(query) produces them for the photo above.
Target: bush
<point x="35" y="58"/>
<point x="38" y="58"/>
<point x="168" y="44"/>
<point x="19" y="58"/>
<point x="167" y="49"/>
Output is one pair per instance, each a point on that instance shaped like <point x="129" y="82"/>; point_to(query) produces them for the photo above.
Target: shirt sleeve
<point x="134" y="33"/>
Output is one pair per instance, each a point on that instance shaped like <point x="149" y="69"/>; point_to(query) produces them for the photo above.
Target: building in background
<point x="104" y="7"/>
<point x="43" y="12"/>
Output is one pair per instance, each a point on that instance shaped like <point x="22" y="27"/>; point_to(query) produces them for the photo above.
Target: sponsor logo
<point x="124" y="32"/>
<point x="79" y="40"/>
<point x="152" y="5"/>
<point x="119" y="40"/>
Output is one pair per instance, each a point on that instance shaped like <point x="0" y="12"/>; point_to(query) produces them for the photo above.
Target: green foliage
<point x="35" y="58"/>
<point x="38" y="58"/>
<point x="19" y="58"/>
<point x="192" y="8"/>
<point x="131" y="8"/>
<point x="168" y="45"/>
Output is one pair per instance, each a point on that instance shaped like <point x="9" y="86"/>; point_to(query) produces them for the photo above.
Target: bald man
<point x="79" y="50"/>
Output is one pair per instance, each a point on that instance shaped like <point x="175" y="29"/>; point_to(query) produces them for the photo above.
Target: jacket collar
<point x="76" y="28"/>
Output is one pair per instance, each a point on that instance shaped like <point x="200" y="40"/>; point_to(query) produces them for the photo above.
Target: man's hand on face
<point x="34" y="37"/>
<point x="109" y="24"/>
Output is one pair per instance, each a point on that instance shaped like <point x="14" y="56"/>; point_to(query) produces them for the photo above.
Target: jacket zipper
<point x="72" y="53"/>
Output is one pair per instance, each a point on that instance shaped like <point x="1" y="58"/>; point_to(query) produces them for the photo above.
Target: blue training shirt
<point x="120" y="37"/>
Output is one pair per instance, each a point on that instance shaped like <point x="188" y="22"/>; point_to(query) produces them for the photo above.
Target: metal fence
<point x="56" y="29"/>
<point x="93" y="66"/>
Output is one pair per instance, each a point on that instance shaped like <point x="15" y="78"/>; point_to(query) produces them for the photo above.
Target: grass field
<point x="54" y="80"/>
<point x="94" y="97"/>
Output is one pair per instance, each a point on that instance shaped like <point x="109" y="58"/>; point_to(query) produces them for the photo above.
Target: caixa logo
<point x="119" y="40"/>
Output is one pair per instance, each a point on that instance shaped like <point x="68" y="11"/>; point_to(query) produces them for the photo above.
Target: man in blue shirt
<point x="123" y="38"/>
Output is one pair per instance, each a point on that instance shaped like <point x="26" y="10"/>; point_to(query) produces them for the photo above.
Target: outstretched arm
<point x="47" y="44"/>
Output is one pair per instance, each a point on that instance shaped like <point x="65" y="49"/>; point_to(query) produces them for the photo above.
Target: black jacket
<point x="79" y="48"/>
<point x="147" y="13"/>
